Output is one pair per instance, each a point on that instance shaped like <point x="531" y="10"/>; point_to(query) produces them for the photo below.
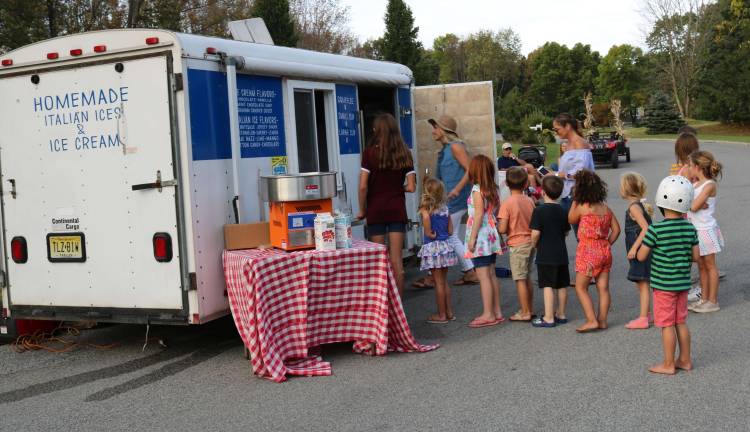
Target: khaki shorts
<point x="521" y="258"/>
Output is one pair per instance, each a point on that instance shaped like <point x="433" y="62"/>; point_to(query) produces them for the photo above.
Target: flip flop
<point x="421" y="283"/>
<point x="479" y="322"/>
<point x="463" y="281"/>
<point x="517" y="318"/>
<point x="451" y="317"/>
<point x="437" y="321"/>
<point x="500" y="320"/>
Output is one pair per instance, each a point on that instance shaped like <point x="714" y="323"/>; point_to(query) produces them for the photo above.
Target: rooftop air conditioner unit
<point x="250" y="30"/>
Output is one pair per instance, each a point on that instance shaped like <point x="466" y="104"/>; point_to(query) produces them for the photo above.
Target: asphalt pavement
<point x="509" y="377"/>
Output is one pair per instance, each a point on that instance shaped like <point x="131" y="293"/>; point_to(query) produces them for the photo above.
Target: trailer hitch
<point x="158" y="184"/>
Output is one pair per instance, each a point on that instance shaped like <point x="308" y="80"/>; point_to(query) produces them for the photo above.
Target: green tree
<point x="278" y="19"/>
<point x="400" y="42"/>
<point x="725" y="84"/>
<point x="371" y="49"/>
<point x="621" y="76"/>
<point x="559" y="77"/>
<point x="509" y="111"/>
<point x="449" y="54"/>
<point x="494" y="56"/>
<point x="22" y="23"/>
<point x="662" y="116"/>
<point x="678" y="42"/>
<point x="428" y="69"/>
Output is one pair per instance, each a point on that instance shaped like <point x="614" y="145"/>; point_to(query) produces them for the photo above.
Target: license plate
<point x="66" y="247"/>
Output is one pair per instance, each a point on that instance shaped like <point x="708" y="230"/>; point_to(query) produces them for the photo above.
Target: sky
<point x="599" y="23"/>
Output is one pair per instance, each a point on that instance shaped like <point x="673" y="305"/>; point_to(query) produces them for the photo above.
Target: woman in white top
<point x="577" y="155"/>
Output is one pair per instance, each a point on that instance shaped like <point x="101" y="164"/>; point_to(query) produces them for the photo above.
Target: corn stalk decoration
<point x="615" y="106"/>
<point x="588" y="122"/>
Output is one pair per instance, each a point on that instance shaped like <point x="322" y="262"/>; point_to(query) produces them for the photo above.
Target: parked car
<point x="607" y="147"/>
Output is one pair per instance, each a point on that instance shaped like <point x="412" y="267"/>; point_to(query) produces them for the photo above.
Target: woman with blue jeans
<point x="577" y="157"/>
<point x="452" y="170"/>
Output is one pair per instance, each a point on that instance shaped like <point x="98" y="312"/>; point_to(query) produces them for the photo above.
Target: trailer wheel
<point x="627" y="154"/>
<point x="615" y="159"/>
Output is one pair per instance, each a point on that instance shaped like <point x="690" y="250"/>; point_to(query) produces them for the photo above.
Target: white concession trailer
<point x="122" y="152"/>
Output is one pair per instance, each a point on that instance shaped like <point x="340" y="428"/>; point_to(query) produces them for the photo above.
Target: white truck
<point x="123" y="153"/>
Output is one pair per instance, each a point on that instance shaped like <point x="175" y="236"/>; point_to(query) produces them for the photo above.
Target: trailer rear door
<point x="83" y="150"/>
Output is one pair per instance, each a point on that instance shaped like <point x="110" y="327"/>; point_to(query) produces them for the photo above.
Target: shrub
<point x="534" y="118"/>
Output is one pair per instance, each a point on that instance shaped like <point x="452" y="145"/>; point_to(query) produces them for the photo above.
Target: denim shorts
<point x="484" y="261"/>
<point x="639" y="270"/>
<point x="384" y="228"/>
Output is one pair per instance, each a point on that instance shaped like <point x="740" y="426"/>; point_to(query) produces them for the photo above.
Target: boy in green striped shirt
<point x="673" y="245"/>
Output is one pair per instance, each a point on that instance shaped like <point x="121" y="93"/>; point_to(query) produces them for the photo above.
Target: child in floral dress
<point x="483" y="243"/>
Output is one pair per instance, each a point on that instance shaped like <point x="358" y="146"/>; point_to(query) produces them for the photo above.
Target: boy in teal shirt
<point x="673" y="245"/>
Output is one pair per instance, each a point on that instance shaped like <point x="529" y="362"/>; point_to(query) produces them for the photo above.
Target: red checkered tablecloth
<point x="286" y="305"/>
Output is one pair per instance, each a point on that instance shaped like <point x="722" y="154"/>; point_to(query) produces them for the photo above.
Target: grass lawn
<point x="707" y="131"/>
<point x="553" y="151"/>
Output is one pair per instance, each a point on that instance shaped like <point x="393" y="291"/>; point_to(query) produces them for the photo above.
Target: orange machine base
<point x="288" y="236"/>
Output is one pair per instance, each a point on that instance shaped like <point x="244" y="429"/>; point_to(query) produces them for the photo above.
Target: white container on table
<point x="343" y="226"/>
<point x="325" y="232"/>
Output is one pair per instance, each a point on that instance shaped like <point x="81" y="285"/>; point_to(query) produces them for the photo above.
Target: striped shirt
<point x="671" y="242"/>
<point x="675" y="168"/>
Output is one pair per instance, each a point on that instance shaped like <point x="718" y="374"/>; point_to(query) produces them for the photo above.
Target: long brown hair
<point x="394" y="155"/>
<point x="686" y="143"/>
<point x="482" y="172"/>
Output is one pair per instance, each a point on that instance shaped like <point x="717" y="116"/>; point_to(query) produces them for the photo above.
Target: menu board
<point x="261" y="116"/>
<point x="348" y="118"/>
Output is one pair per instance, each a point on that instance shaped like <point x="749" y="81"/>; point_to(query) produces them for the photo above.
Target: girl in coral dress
<point x="598" y="229"/>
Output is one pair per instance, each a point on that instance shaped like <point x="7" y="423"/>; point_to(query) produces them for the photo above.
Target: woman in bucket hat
<point x="452" y="169"/>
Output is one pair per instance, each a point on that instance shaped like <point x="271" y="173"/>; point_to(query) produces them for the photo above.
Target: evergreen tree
<point x="400" y="42"/>
<point x="662" y="116"/>
<point x="725" y="83"/>
<point x="278" y="20"/>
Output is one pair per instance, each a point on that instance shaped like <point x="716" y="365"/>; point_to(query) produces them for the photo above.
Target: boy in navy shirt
<point x="549" y="226"/>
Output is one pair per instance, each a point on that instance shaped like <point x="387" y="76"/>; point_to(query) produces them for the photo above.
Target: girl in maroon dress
<point x="387" y="173"/>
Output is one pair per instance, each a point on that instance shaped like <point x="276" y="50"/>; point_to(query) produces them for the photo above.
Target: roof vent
<point x="251" y="30"/>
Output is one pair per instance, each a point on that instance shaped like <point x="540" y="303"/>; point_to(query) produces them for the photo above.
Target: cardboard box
<point x="246" y="236"/>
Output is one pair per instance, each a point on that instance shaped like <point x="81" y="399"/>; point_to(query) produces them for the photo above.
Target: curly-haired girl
<point x="598" y="229"/>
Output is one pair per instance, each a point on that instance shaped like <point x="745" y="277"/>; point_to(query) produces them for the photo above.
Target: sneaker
<point x="695" y="293"/>
<point x="540" y="322"/>
<point x="706" y="307"/>
<point x="640" y="323"/>
<point x="695" y="304"/>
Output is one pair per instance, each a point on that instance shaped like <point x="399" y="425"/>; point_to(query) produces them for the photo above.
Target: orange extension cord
<point x="53" y="341"/>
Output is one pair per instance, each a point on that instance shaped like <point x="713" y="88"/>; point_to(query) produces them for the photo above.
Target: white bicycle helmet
<point x="675" y="193"/>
